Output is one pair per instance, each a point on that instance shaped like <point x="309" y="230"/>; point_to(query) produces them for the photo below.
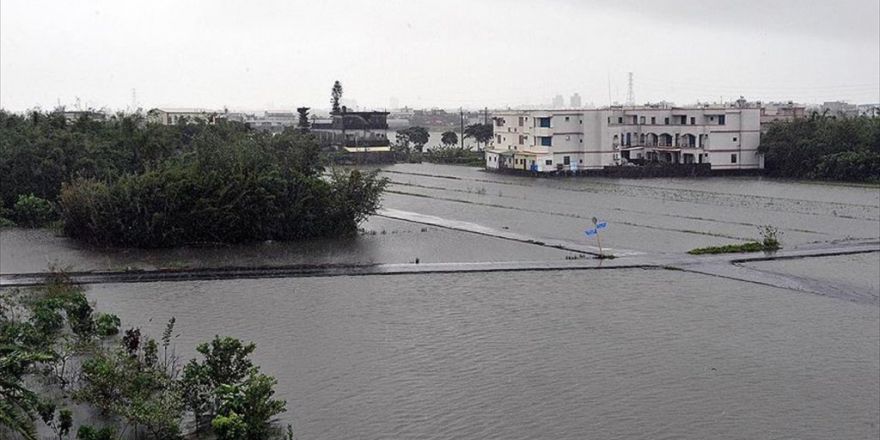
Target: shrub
<point x="32" y="211"/>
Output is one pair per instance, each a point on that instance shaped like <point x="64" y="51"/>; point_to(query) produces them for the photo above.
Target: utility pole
<point x="485" y="115"/>
<point x="461" y="116"/>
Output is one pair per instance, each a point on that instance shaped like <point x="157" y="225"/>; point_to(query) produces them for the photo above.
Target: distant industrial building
<point x="776" y="111"/>
<point x="172" y="116"/>
<point x="575" y="101"/>
<point x="839" y="108"/>
<point x="727" y="138"/>
<point x="558" y="102"/>
<point x="75" y="115"/>
<point x="362" y="135"/>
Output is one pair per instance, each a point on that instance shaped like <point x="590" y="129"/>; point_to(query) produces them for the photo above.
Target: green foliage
<point x="418" y="136"/>
<point x="133" y="382"/>
<point x="769" y="237"/>
<point x="62" y="424"/>
<point x="752" y="246"/>
<point x="454" y="155"/>
<point x="449" y="138"/>
<point x="107" y="324"/>
<point x="823" y="147"/>
<point x="125" y="182"/>
<point x="33" y="340"/>
<point x="482" y="133"/>
<point x="32" y="211"/>
<point x="135" y="388"/>
<point x="226" y="388"/>
<point x="222" y="193"/>
<point x="248" y="406"/>
<point x="230" y="427"/>
<point x="5" y="214"/>
<point x="87" y="432"/>
<point x="335" y="96"/>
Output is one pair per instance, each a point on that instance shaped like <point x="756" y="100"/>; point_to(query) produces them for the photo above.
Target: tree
<point x="303" y="122"/>
<point x="482" y="133"/>
<point x="247" y="408"/>
<point x="419" y="136"/>
<point x="449" y="138"/>
<point x="335" y="96"/>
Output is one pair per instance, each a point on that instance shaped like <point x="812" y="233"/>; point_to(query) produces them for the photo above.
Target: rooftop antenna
<point x="630" y="96"/>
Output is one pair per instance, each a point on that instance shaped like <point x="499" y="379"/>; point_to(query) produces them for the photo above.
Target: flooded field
<point x="655" y="215"/>
<point x="566" y="355"/>
<point x="610" y="354"/>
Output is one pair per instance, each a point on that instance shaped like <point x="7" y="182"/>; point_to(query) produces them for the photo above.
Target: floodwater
<point x="612" y="354"/>
<point x="655" y="215"/>
<point x="568" y="355"/>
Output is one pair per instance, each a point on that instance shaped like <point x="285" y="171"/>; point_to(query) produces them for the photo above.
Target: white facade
<point x="555" y="140"/>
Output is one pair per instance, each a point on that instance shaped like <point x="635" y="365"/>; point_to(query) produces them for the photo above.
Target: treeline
<point x="57" y="353"/>
<point x="824" y="147"/>
<point x="125" y="182"/>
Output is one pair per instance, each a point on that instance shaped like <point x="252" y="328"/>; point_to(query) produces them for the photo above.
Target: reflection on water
<point x="605" y="354"/>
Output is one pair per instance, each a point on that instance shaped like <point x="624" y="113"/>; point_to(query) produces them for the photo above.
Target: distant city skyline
<point x="281" y="55"/>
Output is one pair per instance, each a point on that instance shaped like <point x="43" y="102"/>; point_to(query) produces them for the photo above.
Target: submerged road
<point x="722" y="265"/>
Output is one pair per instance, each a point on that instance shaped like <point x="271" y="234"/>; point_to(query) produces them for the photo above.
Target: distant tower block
<point x="558" y="101"/>
<point x="575" y="101"/>
<point x="630" y="94"/>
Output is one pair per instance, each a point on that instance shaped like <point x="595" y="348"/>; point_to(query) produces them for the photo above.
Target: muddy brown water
<point x="612" y="354"/>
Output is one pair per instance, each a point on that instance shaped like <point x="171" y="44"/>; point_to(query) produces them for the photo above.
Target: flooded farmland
<point x="538" y="354"/>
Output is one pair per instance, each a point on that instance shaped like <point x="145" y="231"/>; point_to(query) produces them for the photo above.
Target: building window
<point x="693" y="120"/>
<point x="733" y="158"/>
<point x="581" y="121"/>
<point x="642" y="120"/>
<point x="548" y="162"/>
<point x="544" y="122"/>
<point x="620" y="120"/>
<point x="546" y="141"/>
<point x="666" y="121"/>
<point x="498" y="136"/>
<point x="520" y="120"/>
<point x="734" y="139"/>
<point x="566" y="160"/>
<point x="566" y="119"/>
<point x="721" y="120"/>
<point x="653" y="120"/>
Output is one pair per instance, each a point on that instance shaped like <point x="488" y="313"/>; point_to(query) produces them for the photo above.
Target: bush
<point x="824" y="147"/>
<point x="32" y="211"/>
<point x="219" y="194"/>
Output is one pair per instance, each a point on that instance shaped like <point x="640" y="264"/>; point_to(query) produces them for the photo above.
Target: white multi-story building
<point x="576" y="140"/>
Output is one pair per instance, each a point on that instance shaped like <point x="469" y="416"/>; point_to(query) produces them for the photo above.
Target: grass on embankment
<point x="752" y="246"/>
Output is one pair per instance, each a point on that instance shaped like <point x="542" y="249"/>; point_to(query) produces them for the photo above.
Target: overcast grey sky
<point x="450" y="53"/>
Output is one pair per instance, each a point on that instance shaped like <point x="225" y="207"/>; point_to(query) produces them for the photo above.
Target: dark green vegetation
<point x="482" y="133"/>
<point x="454" y="155"/>
<point x="823" y="147"/>
<point x="126" y="182"/>
<point x="57" y="353"/>
<point x="769" y="242"/>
